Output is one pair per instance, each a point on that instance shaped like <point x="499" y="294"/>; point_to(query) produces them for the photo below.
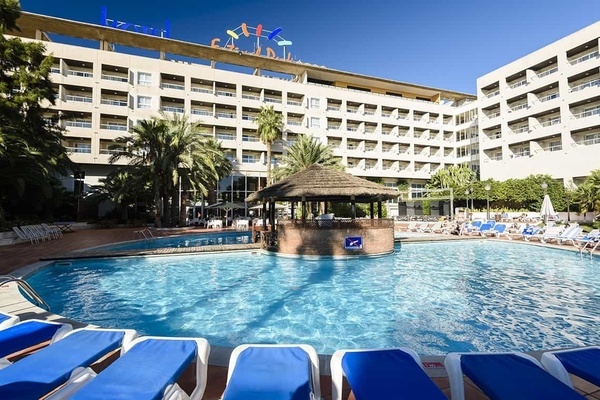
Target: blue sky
<point x="444" y="44"/>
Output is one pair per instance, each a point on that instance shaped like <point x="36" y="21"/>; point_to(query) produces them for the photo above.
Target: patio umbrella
<point x="547" y="208"/>
<point x="259" y="207"/>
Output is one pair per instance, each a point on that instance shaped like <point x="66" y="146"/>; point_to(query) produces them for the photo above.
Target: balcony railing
<point x="595" y="82"/>
<point x="250" y="97"/>
<point x="521" y="129"/>
<point x="177" y="110"/>
<point x="555" y="121"/>
<point x="247" y="117"/>
<point x="225" y="136"/>
<point x="518" y="84"/>
<point x="78" y="124"/>
<point x="173" y="86"/>
<point x="492" y="94"/>
<point x="85" y="150"/>
<point x="81" y="74"/>
<point x="246" y="138"/>
<point x="201" y="90"/>
<point x="590" y="141"/>
<point x="205" y="113"/>
<point x="110" y="151"/>
<point x="225" y="115"/>
<point x="55" y="70"/>
<point x="225" y="93"/>
<point x="114" y="78"/>
<point x="78" y="99"/>
<point x="549" y="97"/>
<point x="588" y="113"/>
<point x="114" y="127"/>
<point x="272" y="100"/>
<point x="547" y="72"/>
<point x="557" y="147"/>
<point x="333" y="127"/>
<point x="583" y="58"/>
<point x="114" y="102"/>
<point x="522" y="153"/>
<point x="294" y="103"/>
<point x="518" y="107"/>
<point x="295" y="123"/>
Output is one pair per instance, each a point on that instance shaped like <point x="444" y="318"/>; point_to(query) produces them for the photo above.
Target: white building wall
<point x="541" y="113"/>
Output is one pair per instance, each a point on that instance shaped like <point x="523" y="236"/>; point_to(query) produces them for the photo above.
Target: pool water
<point x="192" y="240"/>
<point x="432" y="297"/>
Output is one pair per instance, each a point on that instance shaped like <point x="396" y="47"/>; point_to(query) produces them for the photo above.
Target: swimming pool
<point x="433" y="297"/>
<point x="192" y="240"/>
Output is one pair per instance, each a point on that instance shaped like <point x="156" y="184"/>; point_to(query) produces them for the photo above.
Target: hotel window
<point x="315" y="122"/>
<point x="417" y="190"/>
<point x="144" y="102"/>
<point x="315" y="102"/>
<point x="144" y="79"/>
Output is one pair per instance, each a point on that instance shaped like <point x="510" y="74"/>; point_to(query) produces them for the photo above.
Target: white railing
<point x="352" y="110"/>
<point x="205" y="113"/>
<point x="595" y="82"/>
<point x="225" y="136"/>
<point x="250" y="97"/>
<point x="249" y="138"/>
<point x="78" y="124"/>
<point x="496" y="135"/>
<point x="522" y="129"/>
<point x="549" y="97"/>
<point x="555" y="121"/>
<point x="351" y="129"/>
<point x="225" y="93"/>
<point x="55" y="70"/>
<point x="588" y="113"/>
<point x="201" y="90"/>
<point x="518" y="84"/>
<point x="249" y="159"/>
<point x="81" y="74"/>
<point x="114" y="78"/>
<point x="547" y="72"/>
<point x="225" y="115"/>
<point x="333" y="127"/>
<point x="78" y="99"/>
<point x="523" y="153"/>
<point x="331" y="108"/>
<point x="386" y="132"/>
<point x="492" y="94"/>
<point x="369" y="112"/>
<point x="519" y="107"/>
<point x="177" y="110"/>
<point x="587" y="142"/>
<point x="389" y="115"/>
<point x="112" y="102"/>
<point x="85" y="150"/>
<point x="247" y="117"/>
<point x="557" y="147"/>
<point x="296" y="123"/>
<point x="172" y="86"/>
<point x="294" y="103"/>
<point x="585" y="57"/>
<point x="114" y="127"/>
<point x="272" y="100"/>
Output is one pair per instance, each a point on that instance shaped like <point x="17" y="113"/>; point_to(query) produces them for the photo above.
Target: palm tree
<point x="587" y="194"/>
<point x="303" y="153"/>
<point x="270" y="126"/>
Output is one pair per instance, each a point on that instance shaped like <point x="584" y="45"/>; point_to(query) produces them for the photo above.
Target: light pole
<point x="472" y="199"/>
<point x="545" y="186"/>
<point x="487" y="190"/>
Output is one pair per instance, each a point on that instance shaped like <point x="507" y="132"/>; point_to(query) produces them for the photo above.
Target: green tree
<point x="171" y="148"/>
<point x="270" y="127"/>
<point x="31" y="149"/>
<point x="587" y="195"/>
<point x="303" y="153"/>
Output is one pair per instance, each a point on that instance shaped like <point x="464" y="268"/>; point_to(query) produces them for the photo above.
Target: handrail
<point x="147" y="233"/>
<point x="26" y="287"/>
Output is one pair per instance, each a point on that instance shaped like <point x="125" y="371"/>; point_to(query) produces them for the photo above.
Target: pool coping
<point x="12" y="301"/>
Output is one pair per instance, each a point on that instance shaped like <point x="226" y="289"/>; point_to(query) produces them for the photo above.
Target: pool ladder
<point x="146" y="233"/>
<point x="26" y="288"/>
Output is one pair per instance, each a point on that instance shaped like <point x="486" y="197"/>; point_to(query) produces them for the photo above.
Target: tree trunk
<point x="268" y="164"/>
<point x="157" y="204"/>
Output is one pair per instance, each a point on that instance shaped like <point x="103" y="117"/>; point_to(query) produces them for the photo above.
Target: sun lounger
<point x="412" y="227"/>
<point x="382" y="374"/>
<point x="436" y="227"/>
<point x="149" y="369"/>
<point x="587" y="238"/>
<point x="423" y="226"/>
<point x="53" y="231"/>
<point x="484" y="229"/>
<point x="582" y="362"/>
<point x="505" y="376"/>
<point x="550" y="233"/>
<point x="273" y="372"/>
<point x="500" y="230"/>
<point x="569" y="235"/>
<point x="62" y="362"/>
<point x="7" y="320"/>
<point x="27" y="334"/>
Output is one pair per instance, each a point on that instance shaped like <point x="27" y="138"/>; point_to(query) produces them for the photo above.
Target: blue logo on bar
<point x="353" y="243"/>
<point x="127" y="26"/>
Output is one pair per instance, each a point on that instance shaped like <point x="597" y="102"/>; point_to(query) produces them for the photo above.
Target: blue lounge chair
<point x="500" y="230"/>
<point x="382" y="374"/>
<point x="149" y="369"/>
<point x="7" y="320"/>
<point x="529" y="232"/>
<point x="62" y="362"/>
<point x="505" y="376"/>
<point x="486" y="229"/>
<point x="27" y="334"/>
<point x="270" y="372"/>
<point x="583" y="362"/>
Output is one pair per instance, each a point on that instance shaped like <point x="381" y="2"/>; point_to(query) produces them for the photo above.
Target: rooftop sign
<point x="128" y="26"/>
<point x="270" y="37"/>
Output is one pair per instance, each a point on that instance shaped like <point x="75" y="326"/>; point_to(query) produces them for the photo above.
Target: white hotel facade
<point x="539" y="114"/>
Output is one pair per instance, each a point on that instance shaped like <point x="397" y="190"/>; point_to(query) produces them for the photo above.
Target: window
<point x="315" y="102"/>
<point x="144" y="79"/>
<point x="144" y="102"/>
<point x="417" y="190"/>
<point x="315" y="122"/>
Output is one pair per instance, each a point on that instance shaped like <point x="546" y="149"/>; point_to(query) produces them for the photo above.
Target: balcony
<point x="174" y="86"/>
<point x="78" y="99"/>
<point x="114" y="126"/>
<point x="294" y="103"/>
<point x="114" y="102"/>
<point x="202" y="112"/>
<point x="221" y="114"/>
<point x="586" y="114"/>
<point x="592" y="83"/>
<point x="85" y="149"/>
<point x="78" y="124"/>
<point x="225" y="93"/>
<point x="583" y="58"/>
<point x="198" y="89"/>
<point x="80" y="74"/>
<point x="115" y="78"/>
<point x="274" y="100"/>
<point x="518" y="84"/>
<point x="547" y="72"/>
<point x="173" y="109"/>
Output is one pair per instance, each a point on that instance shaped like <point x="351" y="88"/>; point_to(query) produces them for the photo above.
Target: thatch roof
<point x="318" y="183"/>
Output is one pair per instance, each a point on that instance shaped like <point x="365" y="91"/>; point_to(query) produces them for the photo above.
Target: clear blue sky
<point x="444" y="44"/>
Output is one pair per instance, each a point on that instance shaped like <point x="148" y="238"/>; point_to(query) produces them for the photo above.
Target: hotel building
<point x="539" y="114"/>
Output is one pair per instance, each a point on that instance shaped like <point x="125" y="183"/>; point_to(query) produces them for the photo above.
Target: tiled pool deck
<point x="16" y="257"/>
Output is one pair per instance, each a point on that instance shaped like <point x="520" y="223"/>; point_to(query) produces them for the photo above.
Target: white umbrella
<point x="547" y="208"/>
<point x="227" y="206"/>
<point x="259" y="207"/>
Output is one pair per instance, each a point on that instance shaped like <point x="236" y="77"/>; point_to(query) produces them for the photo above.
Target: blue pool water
<point x="434" y="297"/>
<point x="193" y="240"/>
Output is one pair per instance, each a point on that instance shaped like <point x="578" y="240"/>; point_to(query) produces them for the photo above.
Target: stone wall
<point x="324" y="241"/>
